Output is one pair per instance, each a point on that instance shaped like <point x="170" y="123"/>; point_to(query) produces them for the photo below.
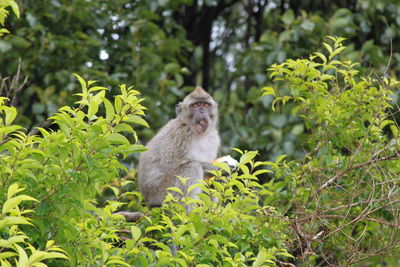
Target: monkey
<point x="184" y="147"/>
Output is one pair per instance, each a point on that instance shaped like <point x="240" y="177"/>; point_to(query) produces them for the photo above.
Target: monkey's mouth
<point x="201" y="125"/>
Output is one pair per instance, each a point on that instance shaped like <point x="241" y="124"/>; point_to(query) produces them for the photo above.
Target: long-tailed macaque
<point x="184" y="147"/>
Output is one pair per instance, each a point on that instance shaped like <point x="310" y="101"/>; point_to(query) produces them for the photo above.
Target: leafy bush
<point x="64" y="168"/>
<point x="13" y="241"/>
<point x="227" y="226"/>
<point x="342" y="198"/>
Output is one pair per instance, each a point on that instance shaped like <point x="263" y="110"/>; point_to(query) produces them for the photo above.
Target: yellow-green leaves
<point x="7" y="117"/>
<point x="268" y="91"/>
<point x="116" y="138"/>
<point x="13" y="201"/>
<point x="63" y="165"/>
<point x="136" y="233"/>
<point x="4" y="4"/>
<point x="3" y="13"/>
<point x="10" y="114"/>
<point x="16" y="242"/>
<point x="351" y="152"/>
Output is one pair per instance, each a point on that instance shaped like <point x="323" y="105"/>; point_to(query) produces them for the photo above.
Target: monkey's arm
<point x="208" y="166"/>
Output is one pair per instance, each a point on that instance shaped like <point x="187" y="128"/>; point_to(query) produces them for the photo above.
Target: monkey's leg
<point x="191" y="169"/>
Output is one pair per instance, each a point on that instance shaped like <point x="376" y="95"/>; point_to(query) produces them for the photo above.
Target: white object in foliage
<point x="232" y="163"/>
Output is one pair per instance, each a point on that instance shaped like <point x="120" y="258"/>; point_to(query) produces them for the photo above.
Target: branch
<point x="373" y="160"/>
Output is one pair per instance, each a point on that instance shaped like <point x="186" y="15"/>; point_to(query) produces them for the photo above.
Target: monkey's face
<point x="200" y="113"/>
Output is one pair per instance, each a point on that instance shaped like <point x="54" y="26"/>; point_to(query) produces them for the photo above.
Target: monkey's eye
<point x="206" y="105"/>
<point x="195" y="105"/>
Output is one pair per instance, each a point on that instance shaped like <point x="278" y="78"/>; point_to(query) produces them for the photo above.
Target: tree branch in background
<point x="11" y="87"/>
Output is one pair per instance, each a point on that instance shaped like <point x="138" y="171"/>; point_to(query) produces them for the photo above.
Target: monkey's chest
<point x="203" y="149"/>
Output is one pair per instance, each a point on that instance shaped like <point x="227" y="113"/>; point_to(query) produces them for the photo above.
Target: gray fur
<point x="176" y="151"/>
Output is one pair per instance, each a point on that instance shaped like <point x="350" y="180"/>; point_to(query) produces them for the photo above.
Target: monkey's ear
<point x="178" y="108"/>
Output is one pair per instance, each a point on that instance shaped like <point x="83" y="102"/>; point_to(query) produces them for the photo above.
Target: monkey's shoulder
<point x="173" y="136"/>
<point x="173" y="130"/>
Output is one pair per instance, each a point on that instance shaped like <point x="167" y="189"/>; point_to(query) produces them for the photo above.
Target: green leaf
<point x="3" y="31"/>
<point x="10" y="115"/>
<point x="337" y="51"/>
<point x="268" y="91"/>
<point x="39" y="256"/>
<point x="23" y="257"/>
<point x="82" y="82"/>
<point x="328" y="47"/>
<point x="116" y="138"/>
<point x="261" y="257"/>
<point x="118" y="104"/>
<point x="123" y="127"/>
<point x="259" y="172"/>
<point x="12" y="240"/>
<point x="92" y="110"/>
<point x="96" y="88"/>
<point x="284" y="253"/>
<point x="288" y="17"/>
<point x="247" y="157"/>
<point x="192" y="187"/>
<point x="224" y="166"/>
<point x="14" y="7"/>
<point x="110" y="112"/>
<point x="175" y="189"/>
<point x="13" y="189"/>
<point x="14" y="202"/>
<point x="118" y="262"/>
<point x="321" y="56"/>
<point x="137" y="120"/>
<point x="136" y="232"/>
<point x="280" y="158"/>
<point x="155" y="227"/>
<point x="9" y="254"/>
<point x="13" y="220"/>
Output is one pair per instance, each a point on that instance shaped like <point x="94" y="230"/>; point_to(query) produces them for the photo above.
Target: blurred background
<point x="166" y="47"/>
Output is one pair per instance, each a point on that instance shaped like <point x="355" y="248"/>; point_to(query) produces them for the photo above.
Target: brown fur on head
<point x="199" y="94"/>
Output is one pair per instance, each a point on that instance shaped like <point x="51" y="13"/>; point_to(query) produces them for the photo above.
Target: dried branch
<point x="371" y="161"/>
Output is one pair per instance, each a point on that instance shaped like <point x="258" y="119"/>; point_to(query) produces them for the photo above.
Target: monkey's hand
<point x="232" y="163"/>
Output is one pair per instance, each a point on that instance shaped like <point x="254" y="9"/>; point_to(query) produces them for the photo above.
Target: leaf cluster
<point x="66" y="166"/>
<point x="342" y="196"/>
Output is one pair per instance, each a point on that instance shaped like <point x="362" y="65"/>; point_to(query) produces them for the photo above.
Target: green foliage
<point x="4" y="13"/>
<point x="14" y="243"/>
<point x="341" y="197"/>
<point x="228" y="224"/>
<point x="65" y="167"/>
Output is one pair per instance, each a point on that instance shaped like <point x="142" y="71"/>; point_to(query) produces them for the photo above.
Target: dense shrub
<point x="343" y="197"/>
<point x="64" y="168"/>
<point x="15" y="242"/>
